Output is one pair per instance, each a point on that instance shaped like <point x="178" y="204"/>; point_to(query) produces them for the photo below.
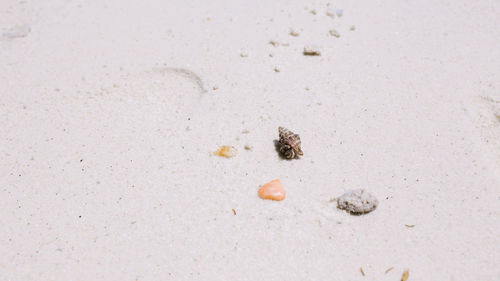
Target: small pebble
<point x="330" y="13"/>
<point x="357" y="201"/>
<point x="312" y="51"/>
<point x="272" y="190"/>
<point x="226" y="151"/>
<point x="294" y="33"/>
<point x="334" y="33"/>
<point x="274" y="43"/>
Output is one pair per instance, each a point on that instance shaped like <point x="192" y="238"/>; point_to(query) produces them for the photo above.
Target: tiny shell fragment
<point x="357" y="201"/>
<point x="361" y="270"/>
<point x="226" y="151"/>
<point x="406" y="274"/>
<point x="272" y="190"/>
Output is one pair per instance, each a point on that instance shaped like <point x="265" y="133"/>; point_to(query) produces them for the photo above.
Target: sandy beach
<point x="111" y="111"/>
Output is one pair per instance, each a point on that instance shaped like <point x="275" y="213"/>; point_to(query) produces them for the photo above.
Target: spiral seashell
<point x="287" y="151"/>
<point x="289" y="143"/>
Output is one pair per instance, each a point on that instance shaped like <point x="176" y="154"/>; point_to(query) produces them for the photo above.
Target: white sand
<point x="109" y="118"/>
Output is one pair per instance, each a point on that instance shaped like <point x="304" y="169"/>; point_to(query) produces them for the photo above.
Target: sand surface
<point x="110" y="112"/>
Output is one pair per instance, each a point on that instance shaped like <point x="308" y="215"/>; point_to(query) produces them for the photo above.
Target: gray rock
<point x="357" y="201"/>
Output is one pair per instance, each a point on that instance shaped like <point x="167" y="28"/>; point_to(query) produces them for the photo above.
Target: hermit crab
<point x="289" y="143"/>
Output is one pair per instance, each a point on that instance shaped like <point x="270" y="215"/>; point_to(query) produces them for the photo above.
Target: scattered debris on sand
<point x="234" y="211"/>
<point x="339" y="12"/>
<point x="226" y="151"/>
<point x="389" y="269"/>
<point x="276" y="69"/>
<point x="334" y="33"/>
<point x="409" y="225"/>
<point x="353" y="27"/>
<point x="244" y="54"/>
<point x="247" y="147"/>
<point x="357" y="201"/>
<point x="17" y="31"/>
<point x="406" y="274"/>
<point x="272" y="190"/>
